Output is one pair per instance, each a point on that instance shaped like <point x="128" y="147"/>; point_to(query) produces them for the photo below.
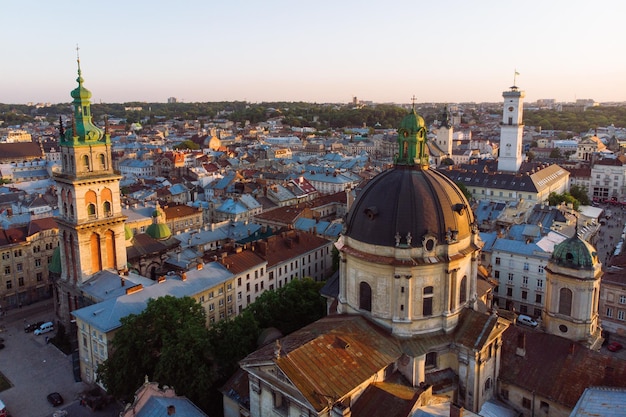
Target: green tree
<point x="530" y="155"/>
<point x="579" y="192"/>
<point x="187" y="144"/>
<point x="168" y="342"/>
<point x="555" y="199"/>
<point x="447" y="162"/>
<point x="555" y="153"/>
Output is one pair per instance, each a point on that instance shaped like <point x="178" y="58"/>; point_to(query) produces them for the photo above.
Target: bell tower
<point x="91" y="224"/>
<point x="512" y="128"/>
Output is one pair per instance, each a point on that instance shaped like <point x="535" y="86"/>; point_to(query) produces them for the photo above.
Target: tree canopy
<point x="170" y="343"/>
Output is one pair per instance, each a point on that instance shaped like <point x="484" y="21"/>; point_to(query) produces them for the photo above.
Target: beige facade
<point x="24" y="262"/>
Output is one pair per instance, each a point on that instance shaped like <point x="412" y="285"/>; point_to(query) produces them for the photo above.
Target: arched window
<point x="427" y="303"/>
<point x="365" y="296"/>
<point x="85" y="159"/>
<point x="91" y="210"/>
<point x="106" y="209"/>
<point x="96" y="258"/>
<point x="65" y="209"/>
<point x="463" y="290"/>
<point x="102" y="161"/>
<point x="565" y="301"/>
<point x="488" y="384"/>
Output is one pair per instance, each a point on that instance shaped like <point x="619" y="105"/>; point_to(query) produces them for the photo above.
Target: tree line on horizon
<point x="302" y="114"/>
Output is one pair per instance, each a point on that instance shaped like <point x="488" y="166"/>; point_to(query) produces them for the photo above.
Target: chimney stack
<point x="456" y="410"/>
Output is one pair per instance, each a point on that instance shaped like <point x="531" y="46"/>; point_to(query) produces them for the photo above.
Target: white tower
<point x="512" y="128"/>
<point x="445" y="133"/>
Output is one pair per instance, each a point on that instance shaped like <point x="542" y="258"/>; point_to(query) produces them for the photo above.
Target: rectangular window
<point x="39" y="276"/>
<point x="256" y="287"/>
<point x="540" y="269"/>
<point x="538" y="298"/>
<point x="37" y="263"/>
<point x="524" y="295"/>
<point x="211" y="306"/>
<point x="239" y="282"/>
<point x="19" y="267"/>
<point x="622" y="299"/>
<point x="229" y="286"/>
<point x="539" y="283"/>
<point x="510" y="277"/>
<point x="509" y="292"/>
<point x="496" y="274"/>
<point x="526" y="402"/>
<point x="525" y="281"/>
<point x="7" y="270"/>
<point x="229" y="299"/>
<point x="220" y="291"/>
<point x="526" y="266"/>
<point x="620" y="315"/>
<point x="497" y="261"/>
<point x="609" y="312"/>
<point x="221" y="302"/>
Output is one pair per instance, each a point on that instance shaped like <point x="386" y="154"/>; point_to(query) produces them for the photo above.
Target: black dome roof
<point x="409" y="199"/>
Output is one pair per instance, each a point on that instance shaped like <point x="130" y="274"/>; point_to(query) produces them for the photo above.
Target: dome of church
<point x="159" y="231"/>
<point x="575" y="253"/>
<point x="128" y="234"/>
<point x="406" y="200"/>
<point x="409" y="203"/>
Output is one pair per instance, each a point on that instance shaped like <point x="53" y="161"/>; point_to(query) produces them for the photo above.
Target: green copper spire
<point x="83" y="131"/>
<point x="412" y="148"/>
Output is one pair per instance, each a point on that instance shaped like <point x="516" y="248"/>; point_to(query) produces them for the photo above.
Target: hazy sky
<point x="314" y="51"/>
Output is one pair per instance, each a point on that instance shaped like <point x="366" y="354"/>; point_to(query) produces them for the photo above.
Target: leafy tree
<point x="447" y="161"/>
<point x="579" y="192"/>
<point x="530" y="155"/>
<point x="290" y="307"/>
<point x="555" y="153"/>
<point x="187" y="144"/>
<point x="555" y="199"/>
<point x="169" y="342"/>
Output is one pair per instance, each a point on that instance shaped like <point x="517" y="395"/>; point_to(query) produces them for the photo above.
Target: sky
<point x="444" y="51"/>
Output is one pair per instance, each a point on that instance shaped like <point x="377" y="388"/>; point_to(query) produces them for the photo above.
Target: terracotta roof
<point x="179" y="210"/>
<point x="288" y="245"/>
<point x="37" y="225"/>
<point x="242" y="261"/>
<point x="27" y="150"/>
<point x="284" y="215"/>
<point x="557" y="368"/>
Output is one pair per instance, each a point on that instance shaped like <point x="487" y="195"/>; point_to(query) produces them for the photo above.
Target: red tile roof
<point x="557" y="368"/>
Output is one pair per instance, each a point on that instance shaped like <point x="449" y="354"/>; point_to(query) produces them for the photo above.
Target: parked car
<point x="55" y="399"/>
<point x="31" y="327"/>
<point x="614" y="346"/>
<point x="44" y="328"/>
<point x="527" y="320"/>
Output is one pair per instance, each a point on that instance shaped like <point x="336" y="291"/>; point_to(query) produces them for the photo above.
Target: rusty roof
<point x="386" y="399"/>
<point x="288" y="245"/>
<point x="557" y="368"/>
<point x="179" y="210"/>
<point x="331" y="357"/>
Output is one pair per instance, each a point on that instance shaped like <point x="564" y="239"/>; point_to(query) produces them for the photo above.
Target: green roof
<point x="159" y="231"/>
<point x="55" y="265"/>
<point x="575" y="253"/>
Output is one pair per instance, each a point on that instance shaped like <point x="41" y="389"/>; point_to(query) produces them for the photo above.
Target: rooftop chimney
<point x="456" y="410"/>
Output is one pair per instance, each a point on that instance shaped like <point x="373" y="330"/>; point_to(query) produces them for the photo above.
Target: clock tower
<point x="510" y="157"/>
<point x="91" y="224"/>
